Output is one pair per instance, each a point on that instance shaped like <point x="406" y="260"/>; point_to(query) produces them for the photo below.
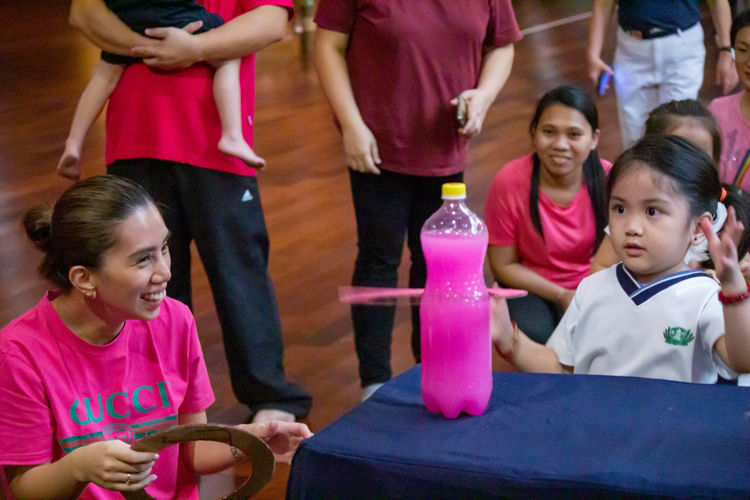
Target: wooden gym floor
<point x="44" y="67"/>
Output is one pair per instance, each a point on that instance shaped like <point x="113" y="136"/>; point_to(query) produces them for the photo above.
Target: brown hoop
<point x="256" y="449"/>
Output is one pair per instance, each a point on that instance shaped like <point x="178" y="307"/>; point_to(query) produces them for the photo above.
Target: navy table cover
<point x="542" y="436"/>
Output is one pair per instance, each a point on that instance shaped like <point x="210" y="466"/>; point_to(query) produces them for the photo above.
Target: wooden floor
<point x="44" y="67"/>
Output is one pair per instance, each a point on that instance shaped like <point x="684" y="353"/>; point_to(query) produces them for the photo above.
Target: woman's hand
<point x="595" y="68"/>
<point x="478" y="101"/>
<point x="113" y="466"/>
<point x="177" y="47"/>
<point x="361" y="149"/>
<point x="282" y="437"/>
<point x="723" y="252"/>
<point x="501" y="327"/>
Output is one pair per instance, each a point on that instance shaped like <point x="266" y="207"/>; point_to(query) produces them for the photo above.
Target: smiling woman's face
<point x="132" y="281"/>
<point x="563" y="140"/>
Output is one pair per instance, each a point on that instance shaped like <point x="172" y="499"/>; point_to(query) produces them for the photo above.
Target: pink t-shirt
<point x="59" y="392"/>
<point x="735" y="137"/>
<point x="407" y="59"/>
<point x="565" y="253"/>
<point x="172" y="115"/>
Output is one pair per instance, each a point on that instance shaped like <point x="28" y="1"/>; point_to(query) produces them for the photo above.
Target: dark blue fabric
<point x="643" y="15"/>
<point x="542" y="436"/>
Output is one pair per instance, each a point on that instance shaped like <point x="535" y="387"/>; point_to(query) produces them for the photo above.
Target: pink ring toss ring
<point x="257" y="451"/>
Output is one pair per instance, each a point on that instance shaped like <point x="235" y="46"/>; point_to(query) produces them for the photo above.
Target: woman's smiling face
<point x="563" y="140"/>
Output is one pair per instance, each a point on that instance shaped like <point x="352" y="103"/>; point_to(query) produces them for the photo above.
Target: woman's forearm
<point x="333" y="72"/>
<point x="103" y="28"/>
<point x="50" y="481"/>
<point x="496" y="66"/>
<point x="516" y="275"/>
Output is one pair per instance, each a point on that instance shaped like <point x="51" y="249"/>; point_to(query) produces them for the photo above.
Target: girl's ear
<point x="82" y="279"/>
<point x="698" y="236"/>
<point x="595" y="141"/>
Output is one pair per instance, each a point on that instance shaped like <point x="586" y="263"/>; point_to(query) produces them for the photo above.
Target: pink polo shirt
<point x="172" y="115"/>
<point x="565" y="253"/>
<point x="735" y="137"/>
<point x="58" y="392"/>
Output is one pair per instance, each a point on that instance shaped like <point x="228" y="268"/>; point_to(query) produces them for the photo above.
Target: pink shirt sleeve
<point x="501" y="211"/>
<point x="199" y="394"/>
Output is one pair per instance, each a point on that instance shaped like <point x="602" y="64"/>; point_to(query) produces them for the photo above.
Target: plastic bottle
<point x="456" y="345"/>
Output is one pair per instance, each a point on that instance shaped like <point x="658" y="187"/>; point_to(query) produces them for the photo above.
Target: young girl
<point x="139" y="16"/>
<point x="546" y="212"/>
<point x="733" y="111"/>
<point x="687" y="118"/>
<point x="107" y="358"/>
<point x="652" y="316"/>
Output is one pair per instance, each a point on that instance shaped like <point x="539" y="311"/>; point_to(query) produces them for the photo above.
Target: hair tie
<point x="723" y="194"/>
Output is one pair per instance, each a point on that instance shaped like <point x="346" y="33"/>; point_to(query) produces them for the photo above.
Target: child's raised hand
<point x="501" y="328"/>
<point x="723" y="250"/>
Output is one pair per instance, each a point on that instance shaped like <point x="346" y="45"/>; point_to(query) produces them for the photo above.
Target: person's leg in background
<point x="381" y="207"/>
<point x="426" y="199"/>
<point x="156" y="177"/>
<point x="684" y="56"/>
<point x="230" y="233"/>
<point x="535" y="316"/>
<point x="636" y="85"/>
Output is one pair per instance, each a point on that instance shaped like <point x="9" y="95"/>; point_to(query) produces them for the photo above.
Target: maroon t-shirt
<point x="407" y="59"/>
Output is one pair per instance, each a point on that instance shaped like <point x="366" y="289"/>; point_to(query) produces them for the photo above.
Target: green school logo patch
<point x="678" y="336"/>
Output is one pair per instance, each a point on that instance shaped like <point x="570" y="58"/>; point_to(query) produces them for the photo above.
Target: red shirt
<point x="407" y="59"/>
<point x="172" y="115"/>
<point x="565" y="253"/>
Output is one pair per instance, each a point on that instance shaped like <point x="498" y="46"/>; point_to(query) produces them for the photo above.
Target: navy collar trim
<point x="639" y="293"/>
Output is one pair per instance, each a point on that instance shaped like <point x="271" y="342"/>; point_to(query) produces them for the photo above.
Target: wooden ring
<point x="256" y="449"/>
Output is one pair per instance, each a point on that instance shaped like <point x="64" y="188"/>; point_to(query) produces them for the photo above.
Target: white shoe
<point x="369" y="390"/>
<point x="266" y="415"/>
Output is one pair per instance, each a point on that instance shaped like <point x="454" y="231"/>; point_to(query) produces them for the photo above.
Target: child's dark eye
<point x="618" y="209"/>
<point x="651" y="211"/>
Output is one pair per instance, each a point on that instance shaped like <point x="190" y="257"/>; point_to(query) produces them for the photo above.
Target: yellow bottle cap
<point x="454" y="191"/>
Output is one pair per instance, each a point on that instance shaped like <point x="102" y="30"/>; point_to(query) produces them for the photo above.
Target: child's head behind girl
<point x="689" y="119"/>
<point x="658" y="191"/>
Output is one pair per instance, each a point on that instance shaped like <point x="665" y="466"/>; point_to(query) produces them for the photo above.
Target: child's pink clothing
<point x="59" y="392"/>
<point x="565" y="253"/>
<point x="735" y="137"/>
<point x="172" y="115"/>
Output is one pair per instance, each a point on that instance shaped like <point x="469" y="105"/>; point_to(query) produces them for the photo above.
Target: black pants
<point x="387" y="207"/>
<point x="207" y="206"/>
<point x="535" y="316"/>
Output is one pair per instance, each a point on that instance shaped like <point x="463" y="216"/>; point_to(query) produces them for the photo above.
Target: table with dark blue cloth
<point x="542" y="436"/>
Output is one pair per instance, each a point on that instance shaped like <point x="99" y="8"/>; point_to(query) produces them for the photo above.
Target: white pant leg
<point x="636" y="84"/>
<point x="680" y="61"/>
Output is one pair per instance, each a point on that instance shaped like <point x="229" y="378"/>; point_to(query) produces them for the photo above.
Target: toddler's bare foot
<point x="70" y="163"/>
<point x="242" y="150"/>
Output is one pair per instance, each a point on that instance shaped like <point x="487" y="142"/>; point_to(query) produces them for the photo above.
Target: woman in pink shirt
<point x="106" y="358"/>
<point x="546" y="212"/>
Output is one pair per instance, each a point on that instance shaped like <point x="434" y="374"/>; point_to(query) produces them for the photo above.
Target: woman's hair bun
<point x="37" y="222"/>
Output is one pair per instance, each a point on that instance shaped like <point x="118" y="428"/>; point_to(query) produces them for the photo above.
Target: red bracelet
<point x="735" y="299"/>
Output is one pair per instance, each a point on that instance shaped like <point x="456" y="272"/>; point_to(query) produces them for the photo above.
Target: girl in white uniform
<point x="651" y="316"/>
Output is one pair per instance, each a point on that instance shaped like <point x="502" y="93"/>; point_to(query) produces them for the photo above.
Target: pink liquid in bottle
<point x="456" y="346"/>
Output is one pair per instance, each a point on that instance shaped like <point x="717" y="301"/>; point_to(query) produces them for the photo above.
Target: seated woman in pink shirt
<point x="546" y="212"/>
<point x="107" y="358"/>
<point x="733" y="112"/>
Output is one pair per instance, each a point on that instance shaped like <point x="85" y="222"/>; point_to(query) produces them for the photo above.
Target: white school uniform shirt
<point x="666" y="329"/>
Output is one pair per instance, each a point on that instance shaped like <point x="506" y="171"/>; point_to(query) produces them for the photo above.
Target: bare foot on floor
<point x="70" y="163"/>
<point x="268" y="414"/>
<point x="240" y="149"/>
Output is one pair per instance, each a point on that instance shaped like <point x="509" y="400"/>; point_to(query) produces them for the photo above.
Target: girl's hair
<point x="82" y="225"/>
<point x="664" y="119"/>
<point x="572" y="97"/>
<point x="741" y="21"/>
<point x="689" y="169"/>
